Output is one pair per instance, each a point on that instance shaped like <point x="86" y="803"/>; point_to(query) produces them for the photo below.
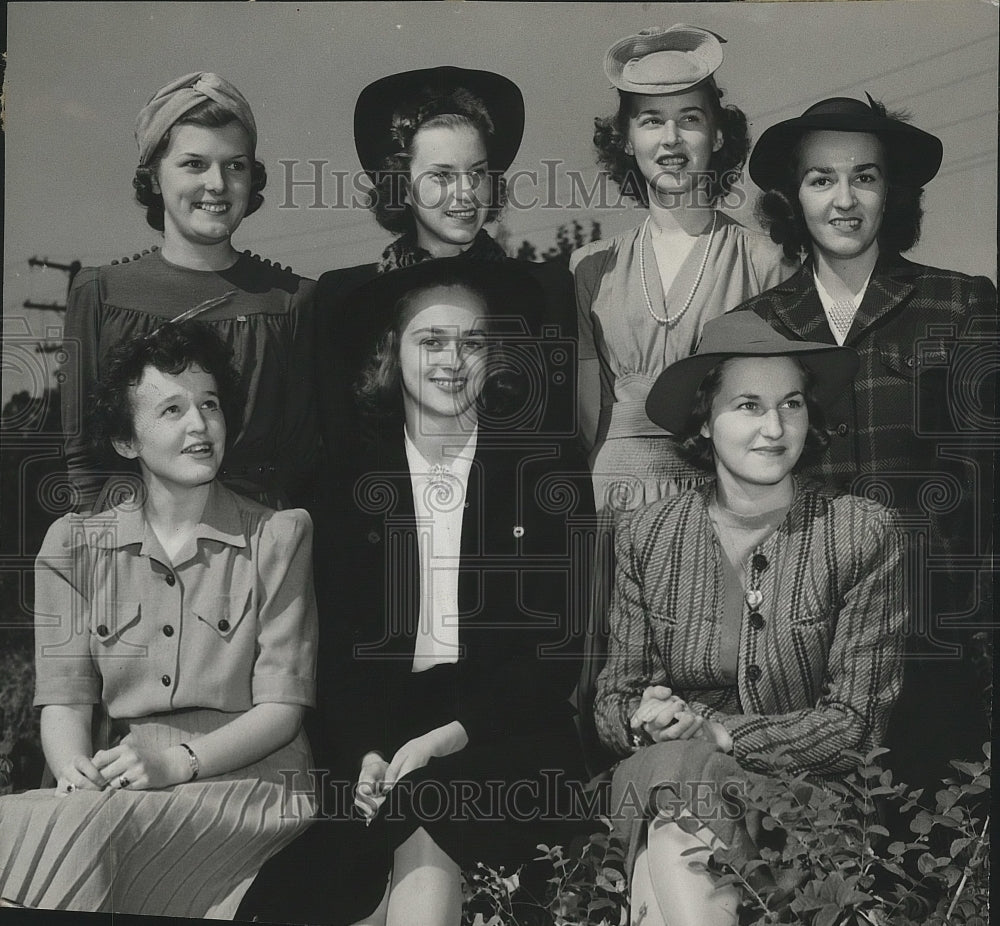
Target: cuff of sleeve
<point x="67" y="691"/>
<point x="284" y="689"/>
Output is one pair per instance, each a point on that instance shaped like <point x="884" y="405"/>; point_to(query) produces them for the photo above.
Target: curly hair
<point x="377" y="389"/>
<point x="726" y="164"/>
<point x="697" y="449"/>
<point x="171" y="348"/>
<point x="779" y="211"/>
<point x="457" y="108"/>
<point x="208" y="114"/>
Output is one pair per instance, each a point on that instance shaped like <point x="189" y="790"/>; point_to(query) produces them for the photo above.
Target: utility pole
<point x="72" y="269"/>
<point x="50" y="347"/>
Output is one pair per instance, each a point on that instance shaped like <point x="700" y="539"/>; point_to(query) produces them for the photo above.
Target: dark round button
<point x="168" y="631"/>
<point x="759" y="562"/>
<point x="756" y="620"/>
<point x="166" y="681"/>
<point x="169" y="579"/>
<point x="909" y="362"/>
<point x="102" y="630"/>
<point x="373" y="537"/>
<point x="223" y="625"/>
<point x="842" y="429"/>
<point x="753" y="673"/>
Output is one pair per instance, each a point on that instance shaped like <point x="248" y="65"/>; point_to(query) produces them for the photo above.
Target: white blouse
<point x="439" y="503"/>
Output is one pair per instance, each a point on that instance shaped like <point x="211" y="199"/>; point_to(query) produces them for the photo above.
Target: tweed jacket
<point x="818" y="676"/>
<point x="523" y="574"/>
<point x="909" y="433"/>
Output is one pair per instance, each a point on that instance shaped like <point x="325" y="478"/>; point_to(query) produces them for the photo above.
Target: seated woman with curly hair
<point x="187" y="613"/>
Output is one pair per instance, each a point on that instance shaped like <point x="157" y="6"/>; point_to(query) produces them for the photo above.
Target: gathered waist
<point x="628" y="419"/>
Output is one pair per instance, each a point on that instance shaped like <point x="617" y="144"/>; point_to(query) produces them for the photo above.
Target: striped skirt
<point x="190" y="850"/>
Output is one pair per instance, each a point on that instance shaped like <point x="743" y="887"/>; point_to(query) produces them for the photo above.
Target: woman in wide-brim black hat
<point x="842" y="188"/>
<point x="435" y="144"/>
<point x="757" y="620"/>
<point x="450" y="582"/>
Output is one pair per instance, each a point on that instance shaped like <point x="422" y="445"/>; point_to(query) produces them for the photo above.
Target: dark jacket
<point x="527" y="529"/>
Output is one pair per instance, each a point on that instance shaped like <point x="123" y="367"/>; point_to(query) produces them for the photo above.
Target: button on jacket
<point x="821" y="673"/>
<point x="232" y="623"/>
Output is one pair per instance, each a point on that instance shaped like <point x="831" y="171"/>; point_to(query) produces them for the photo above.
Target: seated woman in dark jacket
<point x="453" y="549"/>
<point x="755" y="615"/>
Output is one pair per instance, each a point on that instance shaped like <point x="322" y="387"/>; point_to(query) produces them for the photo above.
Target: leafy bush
<point x="831" y="862"/>
<point x="19" y="731"/>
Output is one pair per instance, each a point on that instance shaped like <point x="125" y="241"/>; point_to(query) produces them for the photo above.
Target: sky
<point x="78" y="73"/>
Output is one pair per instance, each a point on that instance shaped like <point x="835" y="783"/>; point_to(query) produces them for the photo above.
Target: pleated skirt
<point x="191" y="850"/>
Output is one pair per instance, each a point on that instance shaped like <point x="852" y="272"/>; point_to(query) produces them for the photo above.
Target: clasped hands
<point x="378" y="776"/>
<point x="124" y="766"/>
<point x="664" y="716"/>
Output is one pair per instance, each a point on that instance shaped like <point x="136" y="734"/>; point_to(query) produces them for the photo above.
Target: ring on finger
<point x="123" y="782"/>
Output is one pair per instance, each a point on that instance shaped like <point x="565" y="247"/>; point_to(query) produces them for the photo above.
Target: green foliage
<point x="836" y="865"/>
<point x="584" y="886"/>
<point x="19" y="731"/>
<point x="828" y="859"/>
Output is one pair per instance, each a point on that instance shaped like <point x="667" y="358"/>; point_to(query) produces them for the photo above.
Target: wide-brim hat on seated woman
<point x="659" y="61"/>
<point x="380" y="101"/>
<point x="913" y="156"/>
<point x="744" y="334"/>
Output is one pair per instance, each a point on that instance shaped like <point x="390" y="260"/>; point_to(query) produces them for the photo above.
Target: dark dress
<point x="526" y="531"/>
<point x="272" y="450"/>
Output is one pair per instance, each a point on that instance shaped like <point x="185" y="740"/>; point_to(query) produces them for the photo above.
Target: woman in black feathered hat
<point x="435" y="144"/>
<point x="843" y="184"/>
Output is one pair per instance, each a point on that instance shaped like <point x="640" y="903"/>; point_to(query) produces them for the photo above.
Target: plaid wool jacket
<point x="818" y="676"/>
<point x="910" y="433"/>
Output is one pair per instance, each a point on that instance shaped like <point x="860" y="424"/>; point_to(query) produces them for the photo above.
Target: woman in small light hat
<point x="198" y="178"/>
<point x="644" y="296"/>
<point x="843" y="186"/>
<point x="753" y="617"/>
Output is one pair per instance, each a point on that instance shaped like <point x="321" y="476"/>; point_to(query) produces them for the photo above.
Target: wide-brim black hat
<point x="744" y="334"/>
<point x="381" y="100"/>
<point x="913" y="156"/>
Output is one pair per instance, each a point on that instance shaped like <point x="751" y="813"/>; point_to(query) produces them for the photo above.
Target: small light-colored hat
<point x="661" y="60"/>
<point x="171" y="102"/>
<point x="744" y="334"/>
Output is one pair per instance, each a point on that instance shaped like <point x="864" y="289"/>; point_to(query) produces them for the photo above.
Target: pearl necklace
<point x="671" y="320"/>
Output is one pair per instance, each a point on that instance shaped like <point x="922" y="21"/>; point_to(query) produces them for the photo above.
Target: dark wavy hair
<point x="170" y="348"/>
<point x="456" y="108"/>
<point x="211" y="115"/>
<point x="697" y="449"/>
<point x="378" y="388"/>
<point x="726" y="164"/>
<point x="779" y="211"/>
